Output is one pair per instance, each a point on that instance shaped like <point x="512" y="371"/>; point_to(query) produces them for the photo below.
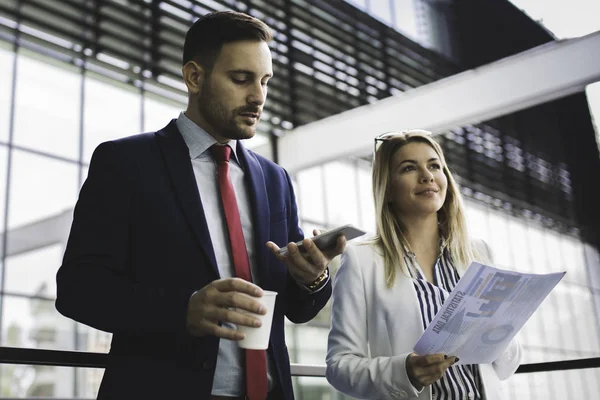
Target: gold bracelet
<point x="319" y="281"/>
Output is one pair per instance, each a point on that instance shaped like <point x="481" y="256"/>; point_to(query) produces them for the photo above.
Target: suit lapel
<point x="255" y="181"/>
<point x="179" y="166"/>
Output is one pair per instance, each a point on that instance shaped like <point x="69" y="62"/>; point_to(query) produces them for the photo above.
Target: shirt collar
<point x="197" y="139"/>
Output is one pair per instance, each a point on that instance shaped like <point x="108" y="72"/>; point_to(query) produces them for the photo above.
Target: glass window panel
<point x="580" y="332"/>
<point x="591" y="377"/>
<point x="532" y="339"/>
<point x="539" y="262"/>
<point x="111" y="111"/>
<point x="15" y="380"/>
<point x="36" y="381"/>
<point x="260" y="144"/>
<point x="358" y="3"/>
<point x="574" y="261"/>
<point x="341" y="197"/>
<point x="381" y="10"/>
<point x="311" y="205"/>
<point x="545" y="329"/>
<point x="315" y="388"/>
<point x="47" y="107"/>
<point x="40" y="187"/>
<point x="35" y="323"/>
<point x="158" y="112"/>
<point x="499" y="243"/>
<point x="365" y="192"/>
<point x="95" y="341"/>
<point x="552" y="248"/>
<point x="3" y="166"/>
<point x="310" y="345"/>
<point x="517" y="386"/>
<point x="593" y="96"/>
<point x="88" y="382"/>
<point x="84" y="173"/>
<point x="519" y="245"/>
<point x="6" y="78"/>
<point x="477" y="221"/>
<point x="33" y="272"/>
<point x="573" y="384"/>
<point x="406" y="18"/>
<point x="542" y="388"/>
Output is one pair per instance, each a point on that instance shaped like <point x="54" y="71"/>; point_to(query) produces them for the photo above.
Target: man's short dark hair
<point x="206" y="37"/>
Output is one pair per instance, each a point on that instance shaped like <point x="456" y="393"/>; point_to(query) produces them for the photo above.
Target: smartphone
<point x="328" y="239"/>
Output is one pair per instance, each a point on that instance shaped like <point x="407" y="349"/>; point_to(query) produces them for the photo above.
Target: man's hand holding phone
<point x="308" y="259"/>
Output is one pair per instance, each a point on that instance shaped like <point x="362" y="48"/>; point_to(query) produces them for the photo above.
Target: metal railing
<point x="80" y="359"/>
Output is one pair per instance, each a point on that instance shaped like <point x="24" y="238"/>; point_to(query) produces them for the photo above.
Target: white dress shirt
<point x="230" y="372"/>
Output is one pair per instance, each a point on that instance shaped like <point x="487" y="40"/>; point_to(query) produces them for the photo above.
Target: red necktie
<point x="256" y="362"/>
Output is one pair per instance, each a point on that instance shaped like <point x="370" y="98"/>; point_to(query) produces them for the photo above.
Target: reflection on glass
<point x="111" y="111"/>
<point x="6" y="78"/>
<point x="47" y="105"/>
<point x="33" y="272"/>
<point x="41" y="187"/>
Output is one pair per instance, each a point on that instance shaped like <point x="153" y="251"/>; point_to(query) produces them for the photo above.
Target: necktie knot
<point x="221" y="153"/>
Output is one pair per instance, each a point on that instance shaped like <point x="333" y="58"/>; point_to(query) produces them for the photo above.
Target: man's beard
<point x="221" y="119"/>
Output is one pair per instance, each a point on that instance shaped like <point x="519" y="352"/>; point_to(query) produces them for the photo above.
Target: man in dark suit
<point x="151" y="256"/>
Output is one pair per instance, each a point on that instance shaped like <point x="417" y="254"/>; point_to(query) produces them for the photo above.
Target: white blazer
<point x="374" y="328"/>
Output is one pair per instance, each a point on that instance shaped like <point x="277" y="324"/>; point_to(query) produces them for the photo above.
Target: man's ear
<point x="193" y="76"/>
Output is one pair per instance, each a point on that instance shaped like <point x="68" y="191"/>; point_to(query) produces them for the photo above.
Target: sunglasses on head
<point x="394" y="135"/>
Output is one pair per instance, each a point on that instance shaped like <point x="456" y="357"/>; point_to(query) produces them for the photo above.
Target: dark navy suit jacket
<point x="139" y="247"/>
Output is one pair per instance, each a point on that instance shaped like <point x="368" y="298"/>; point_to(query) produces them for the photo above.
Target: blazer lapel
<point x="179" y="166"/>
<point x="259" y="203"/>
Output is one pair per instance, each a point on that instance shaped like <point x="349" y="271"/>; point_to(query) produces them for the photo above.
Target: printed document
<point x="484" y="312"/>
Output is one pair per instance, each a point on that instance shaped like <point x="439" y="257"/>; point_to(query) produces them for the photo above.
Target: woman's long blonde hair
<point x="390" y="236"/>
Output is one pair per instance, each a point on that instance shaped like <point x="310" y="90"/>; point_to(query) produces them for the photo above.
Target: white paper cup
<point x="258" y="338"/>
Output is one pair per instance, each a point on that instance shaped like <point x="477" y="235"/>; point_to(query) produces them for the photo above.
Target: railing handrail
<point x="83" y="359"/>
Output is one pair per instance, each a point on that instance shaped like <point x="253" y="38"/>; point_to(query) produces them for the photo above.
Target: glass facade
<point x="49" y="126"/>
<point x="52" y="116"/>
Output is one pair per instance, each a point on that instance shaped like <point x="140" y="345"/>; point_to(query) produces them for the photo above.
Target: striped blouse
<point x="459" y="381"/>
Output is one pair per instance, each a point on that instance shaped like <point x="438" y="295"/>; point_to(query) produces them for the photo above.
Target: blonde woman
<point x="389" y="289"/>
